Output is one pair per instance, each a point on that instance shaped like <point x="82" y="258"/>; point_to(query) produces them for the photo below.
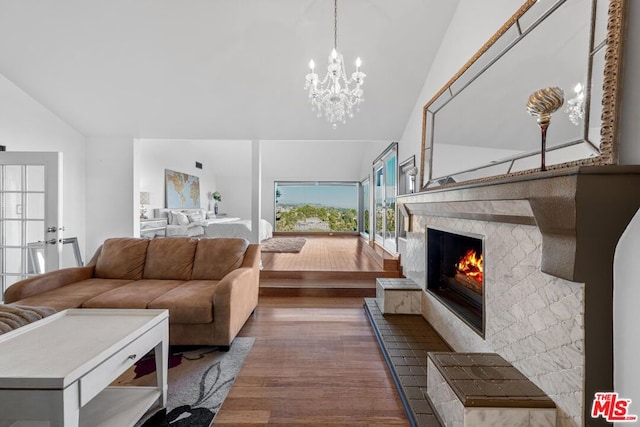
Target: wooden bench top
<point x="487" y="380"/>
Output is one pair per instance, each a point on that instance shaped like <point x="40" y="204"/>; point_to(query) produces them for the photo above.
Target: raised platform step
<point x="386" y="260"/>
<point x="318" y="288"/>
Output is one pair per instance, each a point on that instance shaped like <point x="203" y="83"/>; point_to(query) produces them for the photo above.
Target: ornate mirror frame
<point x="611" y="81"/>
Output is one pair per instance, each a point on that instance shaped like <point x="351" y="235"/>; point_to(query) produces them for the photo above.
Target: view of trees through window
<point x="316" y="206"/>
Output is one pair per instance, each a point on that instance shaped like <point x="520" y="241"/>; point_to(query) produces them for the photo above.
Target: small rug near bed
<point x="283" y="244"/>
<point x="199" y="380"/>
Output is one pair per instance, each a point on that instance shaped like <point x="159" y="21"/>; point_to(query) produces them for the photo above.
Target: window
<point x="316" y="206"/>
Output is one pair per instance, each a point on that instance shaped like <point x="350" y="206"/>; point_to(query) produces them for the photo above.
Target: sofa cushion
<point x="121" y="258"/>
<point x="192" y="302"/>
<point x="74" y="294"/>
<point x="215" y="258"/>
<point x="170" y="259"/>
<point x="136" y="294"/>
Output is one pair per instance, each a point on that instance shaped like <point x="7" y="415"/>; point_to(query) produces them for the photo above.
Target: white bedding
<point x="215" y="227"/>
<point x="236" y="227"/>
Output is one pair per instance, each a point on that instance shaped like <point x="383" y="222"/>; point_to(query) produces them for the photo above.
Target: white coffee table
<point x="59" y="368"/>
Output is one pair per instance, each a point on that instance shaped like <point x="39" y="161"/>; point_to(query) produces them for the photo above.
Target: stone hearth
<point x="549" y="245"/>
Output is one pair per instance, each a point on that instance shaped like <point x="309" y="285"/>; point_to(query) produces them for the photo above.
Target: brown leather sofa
<point x="209" y="286"/>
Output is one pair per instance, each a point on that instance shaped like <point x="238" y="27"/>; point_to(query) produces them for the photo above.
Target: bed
<point x="236" y="227"/>
<point x="199" y="223"/>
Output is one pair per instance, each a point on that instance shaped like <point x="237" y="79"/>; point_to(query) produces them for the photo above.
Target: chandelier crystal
<point x="332" y="96"/>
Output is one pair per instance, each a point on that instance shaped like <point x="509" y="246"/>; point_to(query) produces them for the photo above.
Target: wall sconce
<point x="145" y="199"/>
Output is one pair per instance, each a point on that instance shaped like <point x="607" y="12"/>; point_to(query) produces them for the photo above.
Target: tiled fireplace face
<point x="533" y="320"/>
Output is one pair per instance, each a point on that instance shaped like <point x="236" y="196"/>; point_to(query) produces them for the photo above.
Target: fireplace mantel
<point x="581" y="212"/>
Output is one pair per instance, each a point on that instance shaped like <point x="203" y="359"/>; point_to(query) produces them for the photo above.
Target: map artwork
<point x="182" y="190"/>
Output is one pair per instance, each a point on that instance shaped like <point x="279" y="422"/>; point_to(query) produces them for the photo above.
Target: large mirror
<point x="477" y="126"/>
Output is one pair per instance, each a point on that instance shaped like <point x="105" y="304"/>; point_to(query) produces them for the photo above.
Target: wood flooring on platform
<point x="324" y="253"/>
<point x="315" y="361"/>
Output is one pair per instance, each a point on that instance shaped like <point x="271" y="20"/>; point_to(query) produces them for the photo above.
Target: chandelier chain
<point x="335" y="24"/>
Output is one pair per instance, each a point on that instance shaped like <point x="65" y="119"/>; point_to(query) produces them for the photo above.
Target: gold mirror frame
<point x="612" y="80"/>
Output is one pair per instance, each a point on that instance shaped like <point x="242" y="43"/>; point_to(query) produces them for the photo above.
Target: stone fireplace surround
<point x="550" y="240"/>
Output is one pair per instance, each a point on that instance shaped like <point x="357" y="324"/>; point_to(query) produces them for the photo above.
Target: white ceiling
<point x="224" y="69"/>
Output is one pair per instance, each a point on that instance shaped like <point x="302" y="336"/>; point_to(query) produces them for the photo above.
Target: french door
<point x="30" y="214"/>
<point x="385" y="171"/>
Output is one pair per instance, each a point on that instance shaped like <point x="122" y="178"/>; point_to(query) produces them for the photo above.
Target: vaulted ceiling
<point x="225" y="69"/>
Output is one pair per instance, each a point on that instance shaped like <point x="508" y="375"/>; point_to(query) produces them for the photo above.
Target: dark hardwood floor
<point x="315" y="361"/>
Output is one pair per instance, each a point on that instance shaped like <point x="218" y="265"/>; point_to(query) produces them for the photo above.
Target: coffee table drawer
<point x="102" y="375"/>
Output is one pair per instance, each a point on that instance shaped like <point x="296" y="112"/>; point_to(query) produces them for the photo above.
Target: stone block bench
<point x="483" y="389"/>
<point x="398" y="296"/>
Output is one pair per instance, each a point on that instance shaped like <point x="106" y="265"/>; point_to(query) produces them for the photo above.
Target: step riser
<point x="328" y="275"/>
<point x="316" y="292"/>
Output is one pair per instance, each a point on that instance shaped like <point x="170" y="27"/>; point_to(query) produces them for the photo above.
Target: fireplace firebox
<point x="455" y="274"/>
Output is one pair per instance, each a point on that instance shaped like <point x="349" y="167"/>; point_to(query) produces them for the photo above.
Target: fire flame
<point x="471" y="265"/>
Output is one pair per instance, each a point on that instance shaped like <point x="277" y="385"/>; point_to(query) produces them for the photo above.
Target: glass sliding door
<point x="385" y="171"/>
<point x="378" y="173"/>
<point x="365" y="199"/>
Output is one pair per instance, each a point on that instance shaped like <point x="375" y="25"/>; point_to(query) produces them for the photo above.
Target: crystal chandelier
<point x="332" y="96"/>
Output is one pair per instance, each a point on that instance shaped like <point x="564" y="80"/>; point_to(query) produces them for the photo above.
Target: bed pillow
<point x="195" y="217"/>
<point x="178" y="218"/>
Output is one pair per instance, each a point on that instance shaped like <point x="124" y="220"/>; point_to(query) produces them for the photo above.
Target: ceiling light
<point x="332" y="97"/>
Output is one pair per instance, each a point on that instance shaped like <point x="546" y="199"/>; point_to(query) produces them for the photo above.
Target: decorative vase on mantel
<point x="215" y="208"/>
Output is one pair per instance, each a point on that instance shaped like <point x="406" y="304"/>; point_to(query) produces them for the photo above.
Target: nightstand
<point x="152" y="227"/>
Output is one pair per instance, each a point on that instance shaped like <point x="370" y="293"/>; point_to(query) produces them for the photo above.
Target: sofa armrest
<point x="236" y="296"/>
<point x="46" y="282"/>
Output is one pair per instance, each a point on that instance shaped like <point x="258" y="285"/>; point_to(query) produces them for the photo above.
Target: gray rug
<point x="283" y="244"/>
<point x="199" y="380"/>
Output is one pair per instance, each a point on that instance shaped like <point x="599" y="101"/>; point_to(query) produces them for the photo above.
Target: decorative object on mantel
<point x="333" y="98"/>
<point x="145" y="199"/>
<point x="216" y="197"/>
<point x="542" y="104"/>
<point x="412" y="179"/>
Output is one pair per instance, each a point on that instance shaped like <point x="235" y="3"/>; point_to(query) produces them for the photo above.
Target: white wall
<point x="226" y="168"/>
<point x="155" y="156"/>
<point x="312" y="161"/>
<point x="26" y="125"/>
<point x="110" y="190"/>
<point x="626" y="292"/>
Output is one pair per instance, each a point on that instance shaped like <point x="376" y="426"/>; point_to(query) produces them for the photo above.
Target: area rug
<point x="199" y="380"/>
<point x="283" y="244"/>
